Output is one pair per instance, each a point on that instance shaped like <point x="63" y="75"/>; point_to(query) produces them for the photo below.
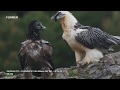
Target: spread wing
<point x="95" y="38"/>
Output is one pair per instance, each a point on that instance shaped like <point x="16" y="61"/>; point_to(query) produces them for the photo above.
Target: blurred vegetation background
<point x="13" y="32"/>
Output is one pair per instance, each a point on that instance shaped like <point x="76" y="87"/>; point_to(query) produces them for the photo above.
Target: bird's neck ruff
<point x="68" y="22"/>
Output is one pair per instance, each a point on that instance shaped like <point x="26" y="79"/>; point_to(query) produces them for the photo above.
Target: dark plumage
<point x="35" y="53"/>
<point x="96" y="38"/>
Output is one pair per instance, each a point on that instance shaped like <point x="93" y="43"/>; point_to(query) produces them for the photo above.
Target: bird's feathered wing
<point x="95" y="38"/>
<point x="48" y="54"/>
<point x="36" y="54"/>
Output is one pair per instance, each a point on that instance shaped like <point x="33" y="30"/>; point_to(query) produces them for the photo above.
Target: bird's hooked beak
<point x="57" y="16"/>
<point x="43" y="27"/>
<point x="39" y="26"/>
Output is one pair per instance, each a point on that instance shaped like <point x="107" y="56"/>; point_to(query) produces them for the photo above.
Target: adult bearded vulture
<point x="87" y="42"/>
<point x="35" y="53"/>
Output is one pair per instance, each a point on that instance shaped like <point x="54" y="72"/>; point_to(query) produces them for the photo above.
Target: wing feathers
<point x="95" y="38"/>
<point x="36" y="53"/>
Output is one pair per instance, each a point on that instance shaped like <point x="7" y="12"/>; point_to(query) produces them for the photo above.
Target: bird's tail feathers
<point x="118" y="37"/>
<point x="48" y="64"/>
<point x="117" y="40"/>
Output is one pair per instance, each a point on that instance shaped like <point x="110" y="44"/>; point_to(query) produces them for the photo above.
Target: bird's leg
<point x="28" y="73"/>
<point x="79" y="56"/>
<point x="86" y="60"/>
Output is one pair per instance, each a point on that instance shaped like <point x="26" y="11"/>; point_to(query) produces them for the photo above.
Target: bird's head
<point x="60" y="15"/>
<point x="35" y="27"/>
<point x="68" y="21"/>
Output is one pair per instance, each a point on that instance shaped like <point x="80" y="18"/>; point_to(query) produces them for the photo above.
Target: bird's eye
<point x="36" y="23"/>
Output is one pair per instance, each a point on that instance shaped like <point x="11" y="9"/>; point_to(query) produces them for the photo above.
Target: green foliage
<point x="13" y="32"/>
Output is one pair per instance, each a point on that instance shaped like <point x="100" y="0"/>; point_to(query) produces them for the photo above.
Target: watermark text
<point x="11" y="17"/>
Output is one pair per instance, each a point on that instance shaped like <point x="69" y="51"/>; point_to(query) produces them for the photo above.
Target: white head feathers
<point x="69" y="20"/>
<point x="65" y="12"/>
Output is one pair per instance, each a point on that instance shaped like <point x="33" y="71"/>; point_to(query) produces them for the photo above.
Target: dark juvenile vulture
<point x="35" y="53"/>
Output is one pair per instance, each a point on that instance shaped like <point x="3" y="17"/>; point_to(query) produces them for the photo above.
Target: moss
<point x="73" y="72"/>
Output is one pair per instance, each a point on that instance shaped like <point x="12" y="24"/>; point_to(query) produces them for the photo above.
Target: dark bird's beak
<point x="54" y="18"/>
<point x="57" y="16"/>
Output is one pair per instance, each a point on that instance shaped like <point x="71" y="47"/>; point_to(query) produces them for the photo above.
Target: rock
<point x="113" y="69"/>
<point x="2" y="74"/>
<point x="93" y="70"/>
<point x="106" y="68"/>
<point x="63" y="74"/>
<point x="107" y="77"/>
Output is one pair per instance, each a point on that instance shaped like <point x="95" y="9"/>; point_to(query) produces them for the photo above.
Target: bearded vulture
<point x="87" y="42"/>
<point x="35" y="53"/>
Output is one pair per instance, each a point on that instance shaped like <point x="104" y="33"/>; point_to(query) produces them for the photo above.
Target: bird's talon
<point x="81" y="64"/>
